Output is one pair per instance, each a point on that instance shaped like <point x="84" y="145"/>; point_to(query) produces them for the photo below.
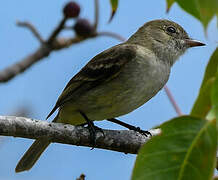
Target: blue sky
<point x="39" y="87"/>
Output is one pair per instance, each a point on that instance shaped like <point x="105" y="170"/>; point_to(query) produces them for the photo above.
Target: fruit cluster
<point x="82" y="27"/>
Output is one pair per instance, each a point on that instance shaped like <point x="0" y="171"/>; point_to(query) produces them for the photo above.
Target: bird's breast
<point x="139" y="81"/>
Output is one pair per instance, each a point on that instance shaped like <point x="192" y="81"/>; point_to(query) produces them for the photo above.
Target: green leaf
<point x="214" y="98"/>
<point x="203" y="102"/>
<point x="185" y="150"/>
<point x="212" y="67"/>
<point x="204" y="10"/>
<point x="169" y="4"/>
<point x="114" y="5"/>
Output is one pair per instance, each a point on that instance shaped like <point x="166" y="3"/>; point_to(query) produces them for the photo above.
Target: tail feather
<point x="32" y="155"/>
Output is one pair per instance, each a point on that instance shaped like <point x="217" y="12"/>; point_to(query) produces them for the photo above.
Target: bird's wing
<point x="103" y="67"/>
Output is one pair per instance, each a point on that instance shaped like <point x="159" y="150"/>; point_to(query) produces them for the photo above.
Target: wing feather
<point x="101" y="68"/>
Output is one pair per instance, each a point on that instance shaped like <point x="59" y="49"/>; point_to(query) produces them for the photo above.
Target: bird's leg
<point x="130" y="127"/>
<point x="96" y="127"/>
<point x="92" y="129"/>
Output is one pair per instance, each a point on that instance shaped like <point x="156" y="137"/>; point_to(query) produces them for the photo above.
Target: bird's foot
<point x="100" y="130"/>
<point x="130" y="127"/>
<point x="93" y="131"/>
<point x="138" y="129"/>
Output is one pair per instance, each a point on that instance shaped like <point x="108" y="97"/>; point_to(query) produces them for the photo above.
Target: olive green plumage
<point x="118" y="80"/>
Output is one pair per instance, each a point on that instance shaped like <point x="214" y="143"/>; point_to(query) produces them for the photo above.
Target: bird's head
<point x="167" y="39"/>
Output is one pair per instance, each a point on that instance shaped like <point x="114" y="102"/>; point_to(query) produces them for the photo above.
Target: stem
<point x="116" y="140"/>
<point x="32" y="29"/>
<point x="111" y="34"/>
<point x="57" y="31"/>
<point x="172" y="100"/>
<point x="96" y="14"/>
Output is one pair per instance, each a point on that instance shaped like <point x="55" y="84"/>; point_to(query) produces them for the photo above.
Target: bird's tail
<point x="32" y="155"/>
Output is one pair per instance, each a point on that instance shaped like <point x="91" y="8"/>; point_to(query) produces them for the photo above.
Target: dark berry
<point x="83" y="28"/>
<point x="71" y="10"/>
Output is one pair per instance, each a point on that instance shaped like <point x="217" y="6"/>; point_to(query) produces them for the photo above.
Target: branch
<point x="47" y="46"/>
<point x="53" y="44"/>
<point x="172" y="100"/>
<point x="96" y="14"/>
<point x="111" y="34"/>
<point x="15" y="69"/>
<point x="32" y="29"/>
<point x="82" y="177"/>
<point x="122" y="141"/>
<point x="43" y="51"/>
<point x="56" y="31"/>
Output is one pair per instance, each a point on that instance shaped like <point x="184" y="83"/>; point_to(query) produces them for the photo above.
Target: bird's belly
<point x="131" y="89"/>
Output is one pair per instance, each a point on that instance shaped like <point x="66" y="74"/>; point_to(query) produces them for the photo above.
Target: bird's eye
<point x="171" y="29"/>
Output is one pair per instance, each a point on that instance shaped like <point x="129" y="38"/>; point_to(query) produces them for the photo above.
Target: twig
<point x="24" y="64"/>
<point x="62" y="43"/>
<point x="81" y="177"/>
<point x="53" y="43"/>
<point x="32" y="29"/>
<point x="172" y="100"/>
<point x="42" y="52"/>
<point x="96" y="15"/>
<point x="111" y="34"/>
<point x="57" y="30"/>
<point x="122" y="141"/>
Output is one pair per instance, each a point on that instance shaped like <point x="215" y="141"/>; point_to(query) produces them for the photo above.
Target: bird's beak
<point x="193" y="43"/>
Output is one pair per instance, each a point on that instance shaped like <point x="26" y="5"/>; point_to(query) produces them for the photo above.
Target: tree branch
<point x="52" y="44"/>
<point x="117" y="140"/>
<point x="96" y="15"/>
<point x="111" y="34"/>
<point x="47" y="46"/>
<point x="32" y="29"/>
<point x="43" y="51"/>
<point x="15" y="69"/>
<point x="172" y="100"/>
<point x="56" y="31"/>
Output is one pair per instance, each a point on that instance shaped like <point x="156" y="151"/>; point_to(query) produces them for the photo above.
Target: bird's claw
<point x="145" y="133"/>
<point x="93" y="131"/>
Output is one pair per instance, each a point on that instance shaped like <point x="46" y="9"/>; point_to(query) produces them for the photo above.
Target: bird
<point x="118" y="80"/>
